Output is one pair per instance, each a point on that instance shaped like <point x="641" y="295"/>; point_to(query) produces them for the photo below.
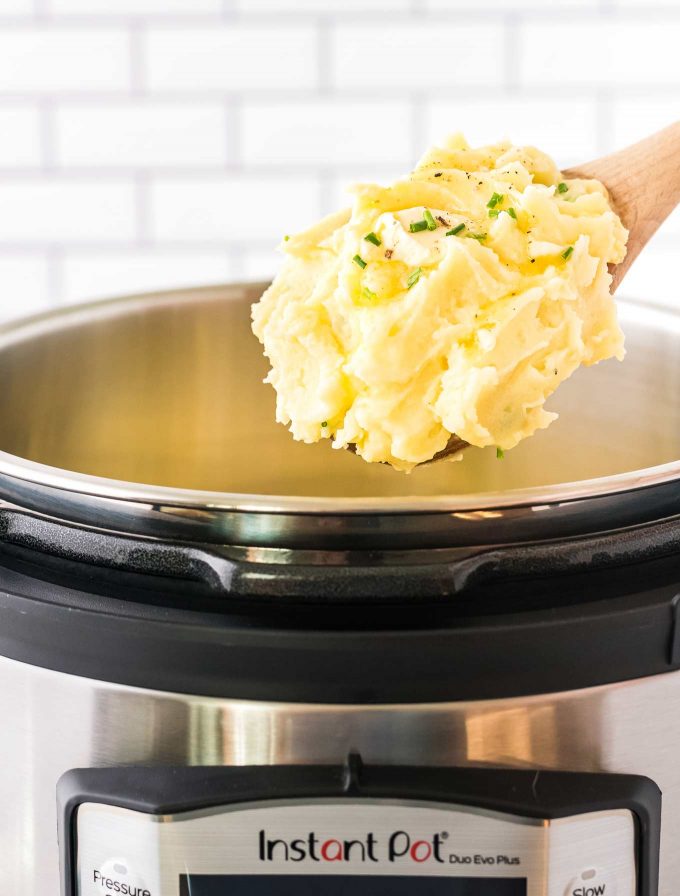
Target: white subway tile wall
<point x="599" y="51"/>
<point x="44" y="60"/>
<point x="67" y="208"/>
<point x="245" y="208"/>
<point x="567" y="129"/>
<point x="133" y="7"/>
<point x="134" y="135"/>
<point x="230" y="58"/>
<point x="20" y="135"/>
<point x="326" y="132"/>
<point x="17" y="7"/>
<point x="100" y="274"/>
<point x="412" y="55"/>
<point x="26" y="283"/>
<point x="146" y="144"/>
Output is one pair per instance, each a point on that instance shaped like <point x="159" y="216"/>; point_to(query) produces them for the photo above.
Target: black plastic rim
<point x="532" y="634"/>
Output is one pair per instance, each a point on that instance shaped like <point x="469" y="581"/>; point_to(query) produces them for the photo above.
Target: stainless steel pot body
<point x="149" y="417"/>
<point x="53" y="722"/>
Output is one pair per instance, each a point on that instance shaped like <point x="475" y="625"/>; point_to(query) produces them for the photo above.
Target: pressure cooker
<point x="232" y="664"/>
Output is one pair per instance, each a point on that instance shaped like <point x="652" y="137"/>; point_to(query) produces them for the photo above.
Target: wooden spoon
<point x="644" y="187"/>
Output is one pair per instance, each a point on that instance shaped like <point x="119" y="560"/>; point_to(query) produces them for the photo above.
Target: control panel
<point x="431" y="832"/>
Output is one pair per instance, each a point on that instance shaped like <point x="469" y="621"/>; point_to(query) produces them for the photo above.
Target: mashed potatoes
<point x="454" y="301"/>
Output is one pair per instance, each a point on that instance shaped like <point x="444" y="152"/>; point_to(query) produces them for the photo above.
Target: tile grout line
<point x="235" y="260"/>
<point x="228" y="263"/>
<point x="324" y="55"/>
<point x="169" y="245"/>
<point x="41" y="10"/>
<point x="325" y="177"/>
<point x="48" y="145"/>
<point x="604" y="121"/>
<point x="137" y="51"/>
<point x="269" y="174"/>
<point x="144" y="228"/>
<point x="418" y="119"/>
<point x="233" y="131"/>
<point x="388" y="93"/>
<point x="475" y="12"/>
<point x="189" y="249"/>
<point x="54" y="257"/>
<point x="511" y="54"/>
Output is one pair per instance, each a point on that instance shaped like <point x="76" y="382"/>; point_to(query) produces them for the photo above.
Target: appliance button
<point x="592" y="882"/>
<point x="117" y="871"/>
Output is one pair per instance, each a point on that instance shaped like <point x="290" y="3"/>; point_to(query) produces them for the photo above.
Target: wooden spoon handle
<point x="644" y="184"/>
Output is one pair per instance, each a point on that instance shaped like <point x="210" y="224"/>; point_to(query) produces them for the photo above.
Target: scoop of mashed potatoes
<point x="453" y="302"/>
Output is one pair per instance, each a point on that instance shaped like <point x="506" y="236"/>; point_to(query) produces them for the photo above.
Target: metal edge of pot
<point x="300" y="521"/>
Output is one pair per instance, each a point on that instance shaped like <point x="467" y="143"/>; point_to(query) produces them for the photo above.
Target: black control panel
<point x="357" y="829"/>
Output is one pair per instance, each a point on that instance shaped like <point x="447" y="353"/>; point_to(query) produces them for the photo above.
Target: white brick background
<point x="156" y="143"/>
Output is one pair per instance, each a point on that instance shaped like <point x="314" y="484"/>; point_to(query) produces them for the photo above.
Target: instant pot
<point x="233" y="665"/>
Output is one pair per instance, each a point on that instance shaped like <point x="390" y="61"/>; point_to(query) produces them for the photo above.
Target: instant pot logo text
<point x="399" y="846"/>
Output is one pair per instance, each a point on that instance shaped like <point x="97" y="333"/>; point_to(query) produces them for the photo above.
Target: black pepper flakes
<point x="438" y="174"/>
<point x="388" y="253"/>
<point x="442" y="221"/>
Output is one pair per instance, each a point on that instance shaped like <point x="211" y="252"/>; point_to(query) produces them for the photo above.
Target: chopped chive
<point x="512" y="213"/>
<point x="567" y="252"/>
<point x="477" y="236"/>
<point x="324" y="424"/>
<point x="368" y="294"/>
<point x="416" y="226"/>
<point x="359" y="260"/>
<point x="455" y="230"/>
<point x="500" y="454"/>
<point x="562" y="187"/>
<point x="495" y="199"/>
<point x="494" y="212"/>
<point x="373" y="238"/>
<point x="414" y="277"/>
<point x="429" y="220"/>
<point x="286" y="237"/>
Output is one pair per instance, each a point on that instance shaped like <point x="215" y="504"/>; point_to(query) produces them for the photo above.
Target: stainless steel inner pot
<point x="151" y="412"/>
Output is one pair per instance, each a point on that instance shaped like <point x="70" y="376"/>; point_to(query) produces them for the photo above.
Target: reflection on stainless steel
<point x="632" y="727"/>
<point x="163" y="397"/>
